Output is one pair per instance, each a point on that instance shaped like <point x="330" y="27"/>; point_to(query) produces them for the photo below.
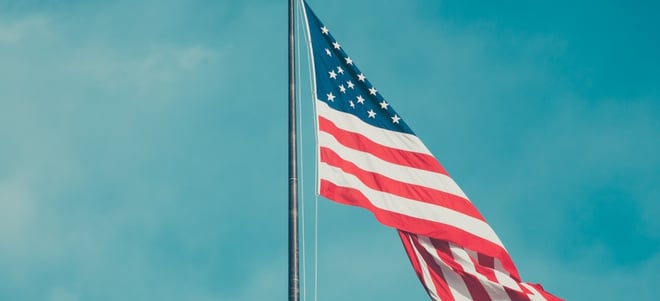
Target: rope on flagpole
<point x="310" y="73"/>
<point x="310" y="69"/>
<point x="301" y="138"/>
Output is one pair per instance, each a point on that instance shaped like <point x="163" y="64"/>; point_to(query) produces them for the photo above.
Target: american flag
<point x="369" y="157"/>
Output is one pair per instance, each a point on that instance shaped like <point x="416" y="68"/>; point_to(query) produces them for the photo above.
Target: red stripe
<point x="354" y="197"/>
<point x="380" y="182"/>
<point x="474" y="283"/>
<point x="486" y="261"/>
<point x="411" y="254"/>
<point x="392" y="155"/>
<point x="525" y="290"/>
<point x="435" y="271"/>
<point x="516" y="295"/>
<point x="474" y="286"/>
<point x="431" y="288"/>
<point x="443" y="252"/>
<point x="485" y="271"/>
<point x="485" y="265"/>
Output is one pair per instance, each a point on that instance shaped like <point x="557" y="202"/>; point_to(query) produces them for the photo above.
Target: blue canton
<point x="341" y="85"/>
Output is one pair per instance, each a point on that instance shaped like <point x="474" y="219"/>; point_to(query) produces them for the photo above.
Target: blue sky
<point x="143" y="144"/>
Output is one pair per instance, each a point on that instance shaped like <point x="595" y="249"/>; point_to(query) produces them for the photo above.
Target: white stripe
<point x="371" y="163"/>
<point x="463" y="258"/>
<point x="426" y="275"/>
<point x="499" y="267"/>
<point x="413" y="208"/>
<point x="495" y="291"/>
<point x="507" y="281"/>
<point x="504" y="277"/>
<point x="385" y="137"/>
<point x="457" y="286"/>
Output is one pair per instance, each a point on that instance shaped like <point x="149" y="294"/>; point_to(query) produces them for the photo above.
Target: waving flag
<point x="369" y="157"/>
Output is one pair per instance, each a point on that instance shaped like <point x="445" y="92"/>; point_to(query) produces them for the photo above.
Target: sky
<point x="143" y="151"/>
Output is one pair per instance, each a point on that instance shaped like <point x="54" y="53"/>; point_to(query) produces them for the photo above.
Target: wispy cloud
<point x="13" y="31"/>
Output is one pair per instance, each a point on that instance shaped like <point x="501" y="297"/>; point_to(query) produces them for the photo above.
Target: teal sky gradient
<point x="143" y="144"/>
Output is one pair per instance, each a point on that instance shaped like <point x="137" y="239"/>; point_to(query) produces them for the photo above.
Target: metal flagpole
<point x="294" y="282"/>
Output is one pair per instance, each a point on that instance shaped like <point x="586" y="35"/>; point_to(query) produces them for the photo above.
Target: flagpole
<point x="294" y="283"/>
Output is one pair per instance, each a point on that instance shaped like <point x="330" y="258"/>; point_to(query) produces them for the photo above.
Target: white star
<point x="342" y="89"/>
<point x="330" y="97"/>
<point x="383" y="105"/>
<point x="372" y="114"/>
<point x="350" y="84"/>
<point x="336" y="45"/>
<point x="372" y="91"/>
<point x="340" y="70"/>
<point x="395" y="119"/>
<point x="327" y="51"/>
<point x="361" y="77"/>
<point x="349" y="61"/>
<point x="352" y="104"/>
<point x="360" y="99"/>
<point x="333" y="75"/>
<point x="324" y="30"/>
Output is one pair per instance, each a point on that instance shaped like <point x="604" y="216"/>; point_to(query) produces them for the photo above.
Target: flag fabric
<point x="370" y="158"/>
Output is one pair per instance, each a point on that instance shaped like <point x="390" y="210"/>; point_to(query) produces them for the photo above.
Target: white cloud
<point x="16" y="214"/>
<point x="157" y="66"/>
<point x="62" y="294"/>
<point x="16" y="31"/>
<point x="56" y="49"/>
<point x="193" y="56"/>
